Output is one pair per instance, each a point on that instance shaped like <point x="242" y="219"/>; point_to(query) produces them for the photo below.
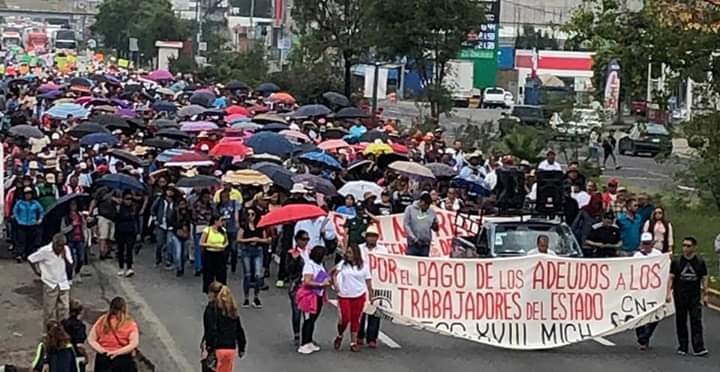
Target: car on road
<point x="514" y="237"/>
<point x="529" y="115"/>
<point x="649" y="138"/>
<point x="582" y="123"/>
<point x="494" y="98"/>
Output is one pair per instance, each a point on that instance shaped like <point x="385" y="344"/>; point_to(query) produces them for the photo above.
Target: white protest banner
<point x="534" y="302"/>
<point x="392" y="232"/>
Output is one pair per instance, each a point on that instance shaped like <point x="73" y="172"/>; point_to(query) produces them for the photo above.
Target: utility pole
<point x="375" y="90"/>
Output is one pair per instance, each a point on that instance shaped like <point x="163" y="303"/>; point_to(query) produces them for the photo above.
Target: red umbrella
<point x="237" y="110"/>
<point x="190" y="159"/>
<point x="400" y="148"/>
<point x="291" y="213"/>
<point x="230" y="148"/>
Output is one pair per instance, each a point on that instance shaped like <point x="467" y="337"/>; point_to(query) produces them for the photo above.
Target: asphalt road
<point x="638" y="172"/>
<point x="173" y="307"/>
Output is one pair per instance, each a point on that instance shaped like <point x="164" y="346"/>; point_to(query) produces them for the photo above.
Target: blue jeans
<point x="232" y="250"/>
<point x="418" y="249"/>
<point x="252" y="258"/>
<point x="77" y="247"/>
<point x="176" y="249"/>
<point x="198" y="250"/>
<point x="163" y="249"/>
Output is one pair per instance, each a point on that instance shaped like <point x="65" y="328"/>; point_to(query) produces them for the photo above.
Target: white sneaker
<point x="129" y="273"/>
<point x="306" y="349"/>
<point x="314" y="346"/>
<point x="121" y="273"/>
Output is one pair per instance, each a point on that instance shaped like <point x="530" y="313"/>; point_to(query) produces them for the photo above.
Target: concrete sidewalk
<point x="21" y="312"/>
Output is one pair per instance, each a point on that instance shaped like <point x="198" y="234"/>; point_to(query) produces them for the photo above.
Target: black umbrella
<point x="372" y="135"/>
<point x="165" y="106"/>
<point x="173" y="133"/>
<point x="17" y="82"/>
<point x="309" y="111"/>
<point x="137" y="123"/>
<point x="280" y="175"/>
<point x="351" y="113"/>
<point x="53" y="217"/>
<point x="128" y="157"/>
<point x="133" y="88"/>
<point x="267" y="88"/>
<point x="78" y="81"/>
<point x="199" y="181"/>
<point x="442" y="170"/>
<point x="336" y="99"/>
<point x="386" y="159"/>
<point x="83" y="129"/>
<point x="237" y="85"/>
<point x="111" y="121"/>
<point x="120" y="181"/>
<point x="334" y="133"/>
<point x="160" y="143"/>
<point x="204" y="99"/>
<point x="318" y="183"/>
<point x="27" y="131"/>
<point x="272" y="127"/>
<point x="166" y="123"/>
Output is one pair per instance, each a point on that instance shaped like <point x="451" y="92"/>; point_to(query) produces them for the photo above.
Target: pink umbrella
<point x="234" y="117"/>
<point x="197" y="126"/>
<point x="189" y="160"/>
<point x="294" y="135"/>
<point x="49" y="87"/>
<point x="159" y="75"/>
<point x="84" y="99"/>
<point x="333" y="145"/>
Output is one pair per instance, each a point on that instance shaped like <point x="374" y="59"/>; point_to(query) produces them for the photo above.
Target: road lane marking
<point x="384" y="339"/>
<point x="603" y="341"/>
<point x="153" y="321"/>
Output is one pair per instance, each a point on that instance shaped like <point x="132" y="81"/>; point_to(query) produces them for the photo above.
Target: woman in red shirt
<point x="115" y="336"/>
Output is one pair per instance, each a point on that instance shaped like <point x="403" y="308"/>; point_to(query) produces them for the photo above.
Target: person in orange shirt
<point x="115" y="337"/>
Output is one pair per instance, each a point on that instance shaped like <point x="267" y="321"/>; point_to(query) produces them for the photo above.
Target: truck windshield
<point x="518" y="239"/>
<point x="65" y="44"/>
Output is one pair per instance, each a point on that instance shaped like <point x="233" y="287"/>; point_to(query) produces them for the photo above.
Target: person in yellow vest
<point x="213" y="241"/>
<point x="235" y="194"/>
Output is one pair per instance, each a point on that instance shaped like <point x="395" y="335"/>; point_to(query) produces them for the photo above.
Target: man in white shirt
<point x="319" y="229"/>
<point x="581" y="196"/>
<point x="371" y="243"/>
<point x="52" y="261"/>
<point x="549" y="164"/>
<point x="543" y="247"/>
<point x="645" y="332"/>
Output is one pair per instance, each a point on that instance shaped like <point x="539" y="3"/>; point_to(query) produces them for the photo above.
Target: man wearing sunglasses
<point x="689" y="285"/>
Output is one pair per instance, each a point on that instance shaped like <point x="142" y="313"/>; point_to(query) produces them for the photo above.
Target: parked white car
<point x="494" y="97"/>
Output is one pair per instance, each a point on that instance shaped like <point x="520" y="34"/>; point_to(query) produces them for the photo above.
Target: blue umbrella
<point x="271" y="143"/>
<point x="99" y="138"/>
<point x="120" y="182"/>
<point x="164" y="106"/>
<point x="62" y="111"/>
<point x="51" y="95"/>
<point x="473" y="185"/>
<point x="322" y="158"/>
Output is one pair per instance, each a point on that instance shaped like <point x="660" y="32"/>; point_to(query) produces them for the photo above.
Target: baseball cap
<point x="646" y="237"/>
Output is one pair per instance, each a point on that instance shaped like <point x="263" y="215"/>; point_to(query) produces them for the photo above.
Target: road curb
<point x="714" y="299"/>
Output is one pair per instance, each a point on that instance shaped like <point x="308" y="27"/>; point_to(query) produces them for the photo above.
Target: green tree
<point x="525" y="143"/>
<point x="335" y="27"/>
<point x="703" y="134"/>
<point x="147" y="20"/>
<point x="250" y="67"/>
<point x="429" y="34"/>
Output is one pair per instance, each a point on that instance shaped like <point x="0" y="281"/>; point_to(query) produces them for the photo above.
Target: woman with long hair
<point x="311" y="296"/>
<point x="353" y="283"/>
<point x="223" y="336"/>
<point x="55" y="351"/>
<point x="115" y="337"/>
<point x="213" y="241"/>
<point x="661" y="229"/>
<point x="254" y="241"/>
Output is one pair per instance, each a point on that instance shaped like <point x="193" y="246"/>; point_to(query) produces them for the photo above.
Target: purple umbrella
<point x="197" y="126"/>
<point x="159" y="75"/>
<point x="127" y="113"/>
<point x="120" y="103"/>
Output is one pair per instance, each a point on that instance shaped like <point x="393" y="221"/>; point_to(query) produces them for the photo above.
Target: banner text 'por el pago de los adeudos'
<point x="534" y="302"/>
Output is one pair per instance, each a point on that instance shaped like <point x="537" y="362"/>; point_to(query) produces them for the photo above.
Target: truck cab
<point x="515" y="236"/>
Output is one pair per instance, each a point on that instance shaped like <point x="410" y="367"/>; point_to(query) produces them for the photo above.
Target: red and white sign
<point x="533" y="302"/>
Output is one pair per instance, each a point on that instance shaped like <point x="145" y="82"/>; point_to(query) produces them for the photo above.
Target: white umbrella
<point x="359" y="188"/>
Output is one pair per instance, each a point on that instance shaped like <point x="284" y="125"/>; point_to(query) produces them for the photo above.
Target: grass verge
<point x="704" y="224"/>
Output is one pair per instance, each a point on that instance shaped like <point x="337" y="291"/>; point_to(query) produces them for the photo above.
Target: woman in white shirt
<point x="353" y="283"/>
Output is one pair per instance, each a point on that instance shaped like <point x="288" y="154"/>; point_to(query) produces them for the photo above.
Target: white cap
<point x="646" y="237"/>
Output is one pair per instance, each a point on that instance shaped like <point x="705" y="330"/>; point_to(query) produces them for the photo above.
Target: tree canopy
<point x="147" y="20"/>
